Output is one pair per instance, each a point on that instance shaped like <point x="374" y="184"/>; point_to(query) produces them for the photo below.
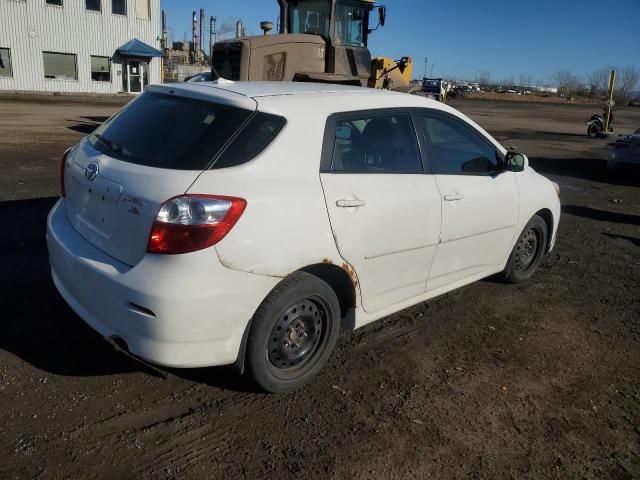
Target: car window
<point x="376" y="143"/>
<point x="261" y="130"/>
<point x="455" y="149"/>
<point x="349" y="26"/>
<point x="168" y="131"/>
<point x="311" y="16"/>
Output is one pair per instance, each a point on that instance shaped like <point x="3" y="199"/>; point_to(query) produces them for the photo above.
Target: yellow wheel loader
<point x="319" y="41"/>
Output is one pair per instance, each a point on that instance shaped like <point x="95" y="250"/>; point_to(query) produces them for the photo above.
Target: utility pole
<point x="610" y="102"/>
<point x="426" y="60"/>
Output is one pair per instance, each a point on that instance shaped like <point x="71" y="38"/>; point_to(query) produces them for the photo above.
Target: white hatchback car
<point x="210" y="224"/>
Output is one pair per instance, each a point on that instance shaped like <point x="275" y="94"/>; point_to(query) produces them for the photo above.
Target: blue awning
<point x="136" y="48"/>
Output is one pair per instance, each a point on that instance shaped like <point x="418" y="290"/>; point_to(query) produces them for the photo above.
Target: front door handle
<point x="451" y="197"/>
<point x="345" y="203"/>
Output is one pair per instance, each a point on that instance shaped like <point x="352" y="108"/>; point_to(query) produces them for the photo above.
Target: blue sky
<point x="465" y="37"/>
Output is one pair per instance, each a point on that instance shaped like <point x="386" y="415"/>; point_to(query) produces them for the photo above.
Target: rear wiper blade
<point x="112" y="146"/>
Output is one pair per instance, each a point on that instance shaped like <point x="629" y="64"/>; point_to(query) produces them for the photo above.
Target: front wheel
<point x="527" y="252"/>
<point x="293" y="333"/>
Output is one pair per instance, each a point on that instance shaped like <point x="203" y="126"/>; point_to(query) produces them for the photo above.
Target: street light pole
<point x="433" y="65"/>
<point x="426" y="60"/>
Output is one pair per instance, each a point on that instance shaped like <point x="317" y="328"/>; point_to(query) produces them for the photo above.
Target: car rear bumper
<point x="172" y="310"/>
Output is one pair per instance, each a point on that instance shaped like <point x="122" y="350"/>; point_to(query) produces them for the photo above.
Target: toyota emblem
<point x="91" y="172"/>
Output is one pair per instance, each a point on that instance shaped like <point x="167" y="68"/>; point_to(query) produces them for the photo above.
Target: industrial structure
<point x="186" y="52"/>
<point x="186" y="58"/>
<point x="91" y="46"/>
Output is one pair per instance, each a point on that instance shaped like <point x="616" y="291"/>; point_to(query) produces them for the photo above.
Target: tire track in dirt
<point x="182" y="450"/>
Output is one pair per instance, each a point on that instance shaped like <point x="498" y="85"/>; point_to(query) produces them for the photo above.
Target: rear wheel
<point x="293" y="333"/>
<point x="527" y="252"/>
<point x="593" y="130"/>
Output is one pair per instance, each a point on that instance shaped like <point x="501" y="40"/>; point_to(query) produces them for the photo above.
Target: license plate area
<point x="96" y="201"/>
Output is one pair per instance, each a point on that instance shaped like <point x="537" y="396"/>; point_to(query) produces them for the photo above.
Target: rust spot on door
<point x="351" y="272"/>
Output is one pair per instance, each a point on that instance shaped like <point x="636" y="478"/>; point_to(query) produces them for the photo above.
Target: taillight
<point x="192" y="222"/>
<point x="63" y="163"/>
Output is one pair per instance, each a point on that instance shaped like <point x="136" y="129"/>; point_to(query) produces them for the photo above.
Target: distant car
<point x="199" y="77"/>
<point x="434" y="88"/>
<point x="625" y="151"/>
<point x="247" y="223"/>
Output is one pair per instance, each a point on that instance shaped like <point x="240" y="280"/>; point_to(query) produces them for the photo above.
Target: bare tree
<point x="524" y="80"/>
<point x="599" y="81"/>
<point x="627" y="81"/>
<point x="567" y="83"/>
<point x="484" y="78"/>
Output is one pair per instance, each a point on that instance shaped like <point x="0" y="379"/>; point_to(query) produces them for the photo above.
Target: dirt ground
<point x="491" y="381"/>
<point x="532" y="98"/>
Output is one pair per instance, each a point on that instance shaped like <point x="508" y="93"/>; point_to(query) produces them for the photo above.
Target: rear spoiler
<point x="207" y="92"/>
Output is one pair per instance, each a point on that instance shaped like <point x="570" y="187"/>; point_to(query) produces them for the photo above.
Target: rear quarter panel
<point x="285" y="225"/>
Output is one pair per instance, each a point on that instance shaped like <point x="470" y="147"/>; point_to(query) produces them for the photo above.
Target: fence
<point x="178" y="72"/>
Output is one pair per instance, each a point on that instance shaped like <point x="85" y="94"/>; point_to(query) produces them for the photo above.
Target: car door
<point x="480" y="200"/>
<point x="384" y="210"/>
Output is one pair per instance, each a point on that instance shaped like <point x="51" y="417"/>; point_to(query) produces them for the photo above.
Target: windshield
<point x="168" y="131"/>
<point x="311" y="16"/>
<point x="349" y="26"/>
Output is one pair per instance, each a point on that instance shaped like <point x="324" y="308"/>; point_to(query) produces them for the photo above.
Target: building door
<point x="136" y="76"/>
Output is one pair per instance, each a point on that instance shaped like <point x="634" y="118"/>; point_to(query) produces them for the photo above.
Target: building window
<point x="143" y="9"/>
<point x="100" y="69"/>
<point x="5" y="63"/>
<point x="119" y="7"/>
<point x="61" y="66"/>
<point x="93" y="5"/>
<point x="58" y="3"/>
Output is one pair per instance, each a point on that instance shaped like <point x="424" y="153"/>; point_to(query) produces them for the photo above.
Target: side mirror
<point x="515" y="162"/>
<point x="382" y="15"/>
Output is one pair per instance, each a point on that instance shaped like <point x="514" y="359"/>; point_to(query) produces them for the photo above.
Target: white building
<point x="92" y="46"/>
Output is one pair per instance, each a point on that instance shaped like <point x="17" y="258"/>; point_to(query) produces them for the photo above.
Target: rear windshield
<point x="168" y="131"/>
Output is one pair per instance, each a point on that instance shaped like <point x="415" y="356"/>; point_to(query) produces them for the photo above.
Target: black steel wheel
<point x="528" y="249"/>
<point x="297" y="333"/>
<point x="527" y="252"/>
<point x="293" y="333"/>
<point x="593" y="130"/>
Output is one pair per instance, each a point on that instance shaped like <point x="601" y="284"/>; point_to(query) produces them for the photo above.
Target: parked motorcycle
<point x="595" y="125"/>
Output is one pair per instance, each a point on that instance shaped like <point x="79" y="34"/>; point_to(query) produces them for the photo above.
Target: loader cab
<point x="343" y="24"/>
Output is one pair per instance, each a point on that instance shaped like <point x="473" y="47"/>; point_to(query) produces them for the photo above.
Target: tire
<point x="292" y="333"/>
<point x="593" y="130"/>
<point x="527" y="252"/>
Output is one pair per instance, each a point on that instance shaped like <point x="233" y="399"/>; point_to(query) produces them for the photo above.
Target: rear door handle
<point x="344" y="203"/>
<point x="450" y="197"/>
